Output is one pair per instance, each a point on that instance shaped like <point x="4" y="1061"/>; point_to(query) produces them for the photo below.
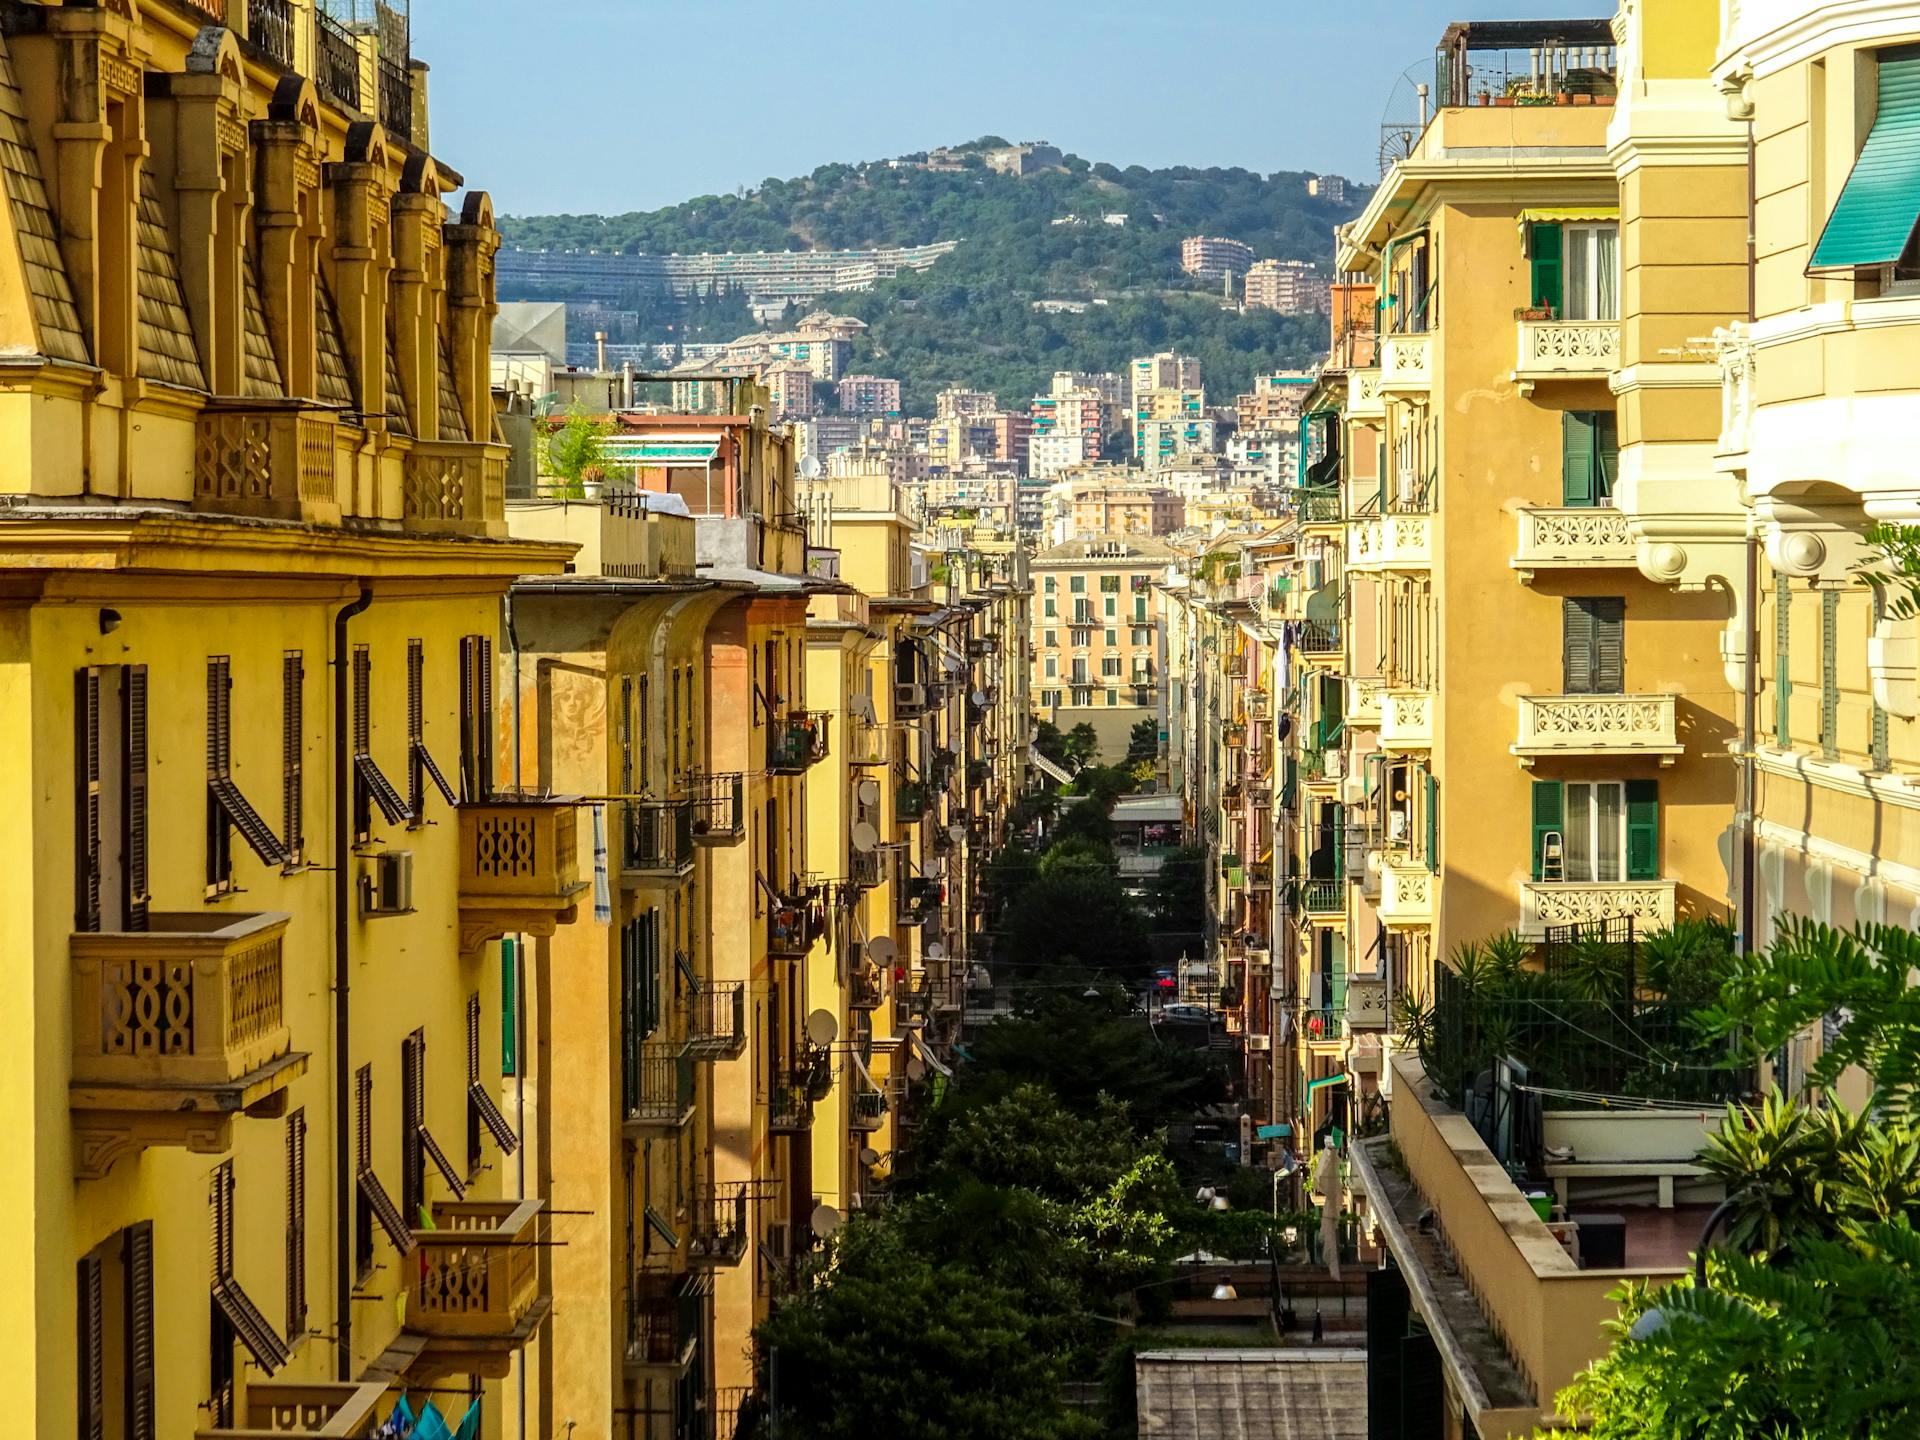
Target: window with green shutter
<point x="1589" y="457"/>
<point x="1549" y="830"/>
<point x="509" y="1007"/>
<point x="1874" y="219"/>
<point x="1433" y="823"/>
<point x="1543" y="253"/>
<point x="1643" y="829"/>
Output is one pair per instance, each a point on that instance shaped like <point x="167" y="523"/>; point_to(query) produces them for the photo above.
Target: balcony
<point x="918" y="898"/>
<point x="1586" y="537"/>
<point x="866" y="744"/>
<point x="1597" y="725"/>
<point x="396" y="97"/>
<point x="1407" y="895"/>
<point x="519" y="873"/>
<point x="1406" y="542"/>
<point x="454" y="486"/>
<point x="796" y="741"/>
<point x="1322" y="767"/>
<point x="663" y="1321"/>
<point x="1567" y="350"/>
<point x="717" y="1020"/>
<point x="276" y="1409"/>
<point x="866" y="989"/>
<point x="1364" y="694"/>
<point x="659" y="839"/>
<point x="1318" y="506"/>
<point x="911" y="802"/>
<point x="1317" y="640"/>
<point x="1367" y="1004"/>
<point x="1326" y="1025"/>
<point x="336" y="59"/>
<point x="266" y="458"/>
<point x="1406" y="721"/>
<point x="1649" y="903"/>
<point x="656" y="1088"/>
<point x="794" y="922"/>
<point x="1324" y="898"/>
<point x="721" y="1223"/>
<point x="1406" y="364"/>
<point x="473" y="1286"/>
<point x="1364" y="544"/>
<point x="1233" y="734"/>
<point x="866" y="1110"/>
<point x="719" y="808"/>
<point x="790" y="1106"/>
<point x="176" y="1030"/>
<point x="1364" y="401"/>
<point x="270" y="26"/>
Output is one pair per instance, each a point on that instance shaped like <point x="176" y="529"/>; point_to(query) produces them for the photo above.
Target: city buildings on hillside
<point x="1211" y="258"/>
<point x="1088" y="510"/>
<point x="1293" y="287"/>
<point x="1096" y="655"/>
<point x="868" y="395"/>
<point x="1109" y="386"/>
<point x="1163" y="370"/>
<point x="1330" y="188"/>
<point x="1025" y="158"/>
<point x="1276" y="400"/>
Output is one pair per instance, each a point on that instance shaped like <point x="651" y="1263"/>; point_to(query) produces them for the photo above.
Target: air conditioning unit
<point x="909" y="698"/>
<point x="386" y="888"/>
<point x="1259" y="1042"/>
<point x="1353" y="790"/>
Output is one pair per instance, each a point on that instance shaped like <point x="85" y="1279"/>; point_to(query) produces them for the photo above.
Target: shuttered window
<point x="293" y="732"/>
<point x="476" y="718"/>
<point x="374" y="1205"/>
<point x="417" y="1145"/>
<point x="231" y="1302"/>
<point x="1590" y="832"/>
<point x="1782" y="661"/>
<point x="1873" y="220"/>
<point x="371" y="787"/>
<point x="228" y="809"/>
<point x="86" y="799"/>
<point x="1433" y="823"/>
<point x="509" y="1006"/>
<point x="482" y="1113"/>
<point x="1589" y="457"/>
<point x="1593" y="635"/>
<point x="297" y="1224"/>
<point x="1549" y="831"/>
<point x="420" y="764"/>
<point x="1830" y="674"/>
<point x="1643" y="829"/>
<point x="91" y="1350"/>
<point x="1543" y="245"/>
<point x="624" y="722"/>
<point x="137" y="1261"/>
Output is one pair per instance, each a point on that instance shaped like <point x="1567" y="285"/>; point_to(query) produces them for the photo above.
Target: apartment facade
<point x="258" y="554"/>
<point x="1292" y="287"/>
<point x="869" y="395"/>
<point x="1212" y="258"/>
<point x="1095" y="650"/>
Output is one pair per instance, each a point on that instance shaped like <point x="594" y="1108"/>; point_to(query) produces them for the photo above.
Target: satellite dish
<point x="867" y="792"/>
<point x="864" y="836"/>
<point x="936" y="951"/>
<point x="824" y="1220"/>
<point x="862" y="706"/>
<point x="881" y="950"/>
<point x="869" y="1157"/>
<point x="810" y="467"/>
<point x="980" y="699"/>
<point x="822" y="1028"/>
<point x="957" y="834"/>
<point x="916" y="1069"/>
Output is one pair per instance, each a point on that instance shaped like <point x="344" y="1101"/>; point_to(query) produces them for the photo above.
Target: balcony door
<point x="1592" y="260"/>
<point x="1596" y="839"/>
<point x="110" y="798"/>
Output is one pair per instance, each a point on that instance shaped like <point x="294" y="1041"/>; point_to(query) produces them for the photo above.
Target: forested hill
<point x="970" y="320"/>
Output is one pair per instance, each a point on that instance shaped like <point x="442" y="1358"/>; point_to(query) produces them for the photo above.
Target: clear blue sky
<point x="615" y="105"/>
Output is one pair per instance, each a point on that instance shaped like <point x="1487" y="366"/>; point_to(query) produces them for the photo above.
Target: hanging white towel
<point x="602" y="896"/>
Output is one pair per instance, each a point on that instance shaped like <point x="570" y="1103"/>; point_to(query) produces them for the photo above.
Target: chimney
<point x="600" y="349"/>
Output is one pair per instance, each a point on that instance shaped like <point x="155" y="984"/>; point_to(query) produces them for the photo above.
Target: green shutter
<point x="1433" y="823"/>
<point x="1337" y="818"/>
<point x="509" y="1007"/>
<point x="1782" y="665"/>
<point x="1606" y="454"/>
<point x="1577" y="458"/>
<point x="1549" y="811"/>
<point x="1337" y="973"/>
<point x="1643" y="829"/>
<point x="1879" y="205"/>
<point x="1544" y="253"/>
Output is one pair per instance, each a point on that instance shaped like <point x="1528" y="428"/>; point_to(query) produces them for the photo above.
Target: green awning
<point x="1880" y="203"/>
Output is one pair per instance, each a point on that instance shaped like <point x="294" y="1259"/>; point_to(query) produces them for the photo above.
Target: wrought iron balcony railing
<point x="717" y="1020"/>
<point x="659" y="837"/>
<point x="797" y="740"/>
<point x="656" y="1086"/>
<point x="719" y="808"/>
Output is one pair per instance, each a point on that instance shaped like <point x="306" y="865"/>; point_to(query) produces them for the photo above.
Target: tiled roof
<point x="263" y="370"/>
<point x="333" y="380"/>
<point x="54" y="311"/>
<point x="167" y="348"/>
<point x="453" y="421"/>
<point x="396" y="397"/>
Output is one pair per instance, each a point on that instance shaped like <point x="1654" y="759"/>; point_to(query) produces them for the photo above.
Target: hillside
<point x="970" y="320"/>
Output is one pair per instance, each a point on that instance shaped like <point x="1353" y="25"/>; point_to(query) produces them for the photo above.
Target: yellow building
<point x="255" y="560"/>
<point x="1096" y="652"/>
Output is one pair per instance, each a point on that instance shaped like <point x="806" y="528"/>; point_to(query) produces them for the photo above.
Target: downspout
<point x="343" y="1179"/>
<point x="1750" y="674"/>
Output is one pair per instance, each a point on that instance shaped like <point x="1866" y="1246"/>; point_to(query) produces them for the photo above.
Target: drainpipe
<point x="1750" y="674"/>
<point x="343" y="1179"/>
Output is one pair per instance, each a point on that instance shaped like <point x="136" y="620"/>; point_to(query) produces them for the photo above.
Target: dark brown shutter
<point x="1576" y="647"/>
<point x="92" y="1348"/>
<point x="371" y="786"/>
<point x="142" y="1423"/>
<point x="229" y="1298"/>
<point x="135" y="816"/>
<point x="373" y="1195"/>
<point x="296" y="1223"/>
<point x="481" y="1102"/>
<point x="86" y="769"/>
<point x="416" y="725"/>
<point x="412" y="1118"/>
<point x="293" y="712"/>
<point x="476" y="719"/>
<point x="226" y="805"/>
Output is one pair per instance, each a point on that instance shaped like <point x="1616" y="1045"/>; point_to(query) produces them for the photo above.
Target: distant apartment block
<point x="1012" y="433"/>
<point x="1275" y="402"/>
<point x="1162" y="371"/>
<point x="1264" y="457"/>
<point x="822" y="435"/>
<point x="1185" y="404"/>
<point x="1211" y="257"/>
<point x="956" y="403"/>
<point x="1121" y="510"/>
<point x="869" y="395"/>
<point x="1160" y="442"/>
<point x="1025" y="158"/>
<point x="790" y="390"/>
<point x="1080" y="413"/>
<point x="1050" y="454"/>
<point x="1108" y="386"/>
<point x="1095" y="634"/>
<point x="1293" y="287"/>
<point x="766" y="277"/>
<point x="1330" y="188"/>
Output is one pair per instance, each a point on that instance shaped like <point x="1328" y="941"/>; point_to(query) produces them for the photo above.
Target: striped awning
<point x="1879" y="206"/>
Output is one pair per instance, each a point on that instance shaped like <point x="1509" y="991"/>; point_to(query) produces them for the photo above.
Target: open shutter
<point x="1578" y="485"/>
<point x="1549" y="818"/>
<point x="1874" y="217"/>
<point x="1576" y="647"/>
<point x="1643" y="829"/>
<point x="509" y="1007"/>
<point x="479" y="1098"/>
<point x="626" y="734"/>
<point x="297" y="1224"/>
<point x="1433" y="823"/>
<point x="293" y="684"/>
<point x="91" y="1343"/>
<point x="86" y="770"/>
<point x="1609" y="644"/>
<point x="416" y="727"/>
<point x="1336" y="832"/>
<point x="1544" y="249"/>
<point x="141" y="1421"/>
<point x="1782" y="668"/>
<point x="1606" y="454"/>
<point x="413" y="1170"/>
<point x="134" y="820"/>
<point x="1830" y="674"/>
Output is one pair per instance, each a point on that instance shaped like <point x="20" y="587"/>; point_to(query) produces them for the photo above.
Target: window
<point x="372" y="1203"/>
<point x="1048" y="585"/>
<point x="115" y="1284"/>
<point x="1596" y="832"/>
<point x="1575" y="269"/>
<point x="1142" y="635"/>
<point x="1589" y="457"/>
<point x="640" y="992"/>
<point x="1873" y="221"/>
<point x="1077" y="584"/>
<point x="1113" y="637"/>
<point x="1113" y="697"/>
<point x="293" y="730"/>
<point x="227" y="809"/>
<point x="1050" y="638"/>
<point x="417" y="1145"/>
<point x="1782" y="674"/>
<point x="1140" y="607"/>
<point x="1110" y="665"/>
<point x="1830" y="674"/>
<point x="1051" y="668"/>
<point x="296" y="1224"/>
<point x="235" y="1316"/>
<point x="509" y="1006"/>
<point x="1139" y="583"/>
<point x="1111" y="608"/>
<point x="420" y="766"/>
<point x="482" y="1113"/>
<point x="370" y="786"/>
<point x="1109" y="584"/>
<point x="1049" y="608"/>
<point x="1592" y="631"/>
<point x="110" y="779"/>
<point x="476" y="718"/>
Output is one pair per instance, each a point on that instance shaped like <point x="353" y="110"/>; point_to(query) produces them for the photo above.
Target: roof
<point x="1146" y="809"/>
<point x="1295" y="1394"/>
<point x="1106" y="547"/>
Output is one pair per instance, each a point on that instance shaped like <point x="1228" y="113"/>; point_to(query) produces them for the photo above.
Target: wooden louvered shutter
<point x="1830" y="674"/>
<point x="92" y="1350"/>
<point x="1609" y="644"/>
<point x="1606" y="455"/>
<point x="476" y="719"/>
<point x="1643" y="829"/>
<point x="416" y="726"/>
<point x="1544" y="247"/>
<point x="413" y="1178"/>
<point x="86" y="769"/>
<point x="1578" y="486"/>
<point x="293" y="681"/>
<point x="1423" y="1387"/>
<point x="1549" y="818"/>
<point x="142" y="1423"/>
<point x="135" y="814"/>
<point x="1576" y="647"/>
<point x="626" y="734"/>
<point x="1782" y="660"/>
<point x="1433" y="823"/>
<point x="296" y="1224"/>
<point x="1388" y="1306"/>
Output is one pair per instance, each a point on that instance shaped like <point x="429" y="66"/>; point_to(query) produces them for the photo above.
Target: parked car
<point x="1186" y="1014"/>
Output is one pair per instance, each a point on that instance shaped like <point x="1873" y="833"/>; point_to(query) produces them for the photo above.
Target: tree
<point x="1079" y="913"/>
<point x="1179" y="897"/>
<point x="1804" y="1326"/>
<point x="1050" y="742"/>
<point x="577" y="450"/>
<point x="1083" y="743"/>
<point x="1143" y="741"/>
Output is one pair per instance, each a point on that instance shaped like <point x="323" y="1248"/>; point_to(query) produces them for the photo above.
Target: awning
<point x="1880" y="203"/>
<point x="1568" y="214"/>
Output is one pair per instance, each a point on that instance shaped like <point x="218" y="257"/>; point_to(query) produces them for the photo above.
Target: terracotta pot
<point x="1583" y="99"/>
<point x="1504" y="101"/>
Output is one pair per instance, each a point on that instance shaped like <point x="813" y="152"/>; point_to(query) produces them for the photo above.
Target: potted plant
<point x="1534" y="312"/>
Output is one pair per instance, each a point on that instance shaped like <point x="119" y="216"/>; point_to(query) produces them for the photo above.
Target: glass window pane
<point x="1607" y="273"/>
<point x="1579" y="836"/>
<point x="1579" y="262"/>
<point x="1609" y="823"/>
